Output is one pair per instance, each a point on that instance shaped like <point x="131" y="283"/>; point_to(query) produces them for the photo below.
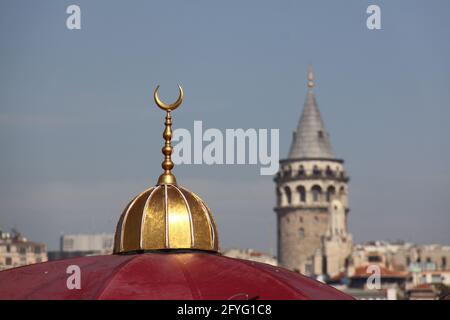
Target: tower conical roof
<point x="311" y="140"/>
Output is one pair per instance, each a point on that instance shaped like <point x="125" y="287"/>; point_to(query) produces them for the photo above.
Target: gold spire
<point x="167" y="177"/>
<point x="166" y="216"/>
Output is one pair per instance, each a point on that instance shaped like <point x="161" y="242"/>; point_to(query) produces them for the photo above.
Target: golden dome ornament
<point x="167" y="177"/>
<point x="167" y="216"/>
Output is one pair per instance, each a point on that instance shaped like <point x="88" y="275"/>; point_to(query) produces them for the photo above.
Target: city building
<point x="16" y="250"/>
<point x="101" y="242"/>
<point x="411" y="271"/>
<point x="250" y="254"/>
<point x="402" y="256"/>
<point x="312" y="199"/>
<point x="79" y="245"/>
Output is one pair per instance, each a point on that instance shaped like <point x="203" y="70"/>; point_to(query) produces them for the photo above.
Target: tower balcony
<point x="291" y="176"/>
<point x="319" y="207"/>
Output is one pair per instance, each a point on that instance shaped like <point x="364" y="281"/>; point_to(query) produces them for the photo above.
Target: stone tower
<point x="312" y="199"/>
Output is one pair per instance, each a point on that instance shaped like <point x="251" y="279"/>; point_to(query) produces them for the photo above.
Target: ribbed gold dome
<point x="166" y="216"/>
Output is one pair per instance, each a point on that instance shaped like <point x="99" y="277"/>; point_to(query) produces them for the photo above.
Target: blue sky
<point x="80" y="135"/>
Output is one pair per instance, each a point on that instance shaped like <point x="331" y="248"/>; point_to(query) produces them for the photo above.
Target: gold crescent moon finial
<point x="167" y="177"/>
<point x="165" y="106"/>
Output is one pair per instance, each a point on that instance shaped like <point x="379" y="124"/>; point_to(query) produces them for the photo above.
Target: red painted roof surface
<point x="192" y="275"/>
<point x="361" y="272"/>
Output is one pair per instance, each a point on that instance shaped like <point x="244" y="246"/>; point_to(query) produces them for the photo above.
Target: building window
<point x="436" y="278"/>
<point x="302" y="193"/>
<point x="444" y="263"/>
<point x="301" y="171"/>
<point x="287" y="171"/>
<point x="8" y="248"/>
<point x="37" y="249"/>
<point x="316" y="171"/>
<point x="341" y="191"/>
<point x="316" y="193"/>
<point x="300" y="219"/>
<point x="8" y="261"/>
<point x="329" y="172"/>
<point x="331" y="191"/>
<point x="301" y="233"/>
<point x="287" y="190"/>
<point x="68" y="244"/>
<point x="374" y="258"/>
<point x="278" y="197"/>
<point x="316" y="219"/>
<point x="22" y="250"/>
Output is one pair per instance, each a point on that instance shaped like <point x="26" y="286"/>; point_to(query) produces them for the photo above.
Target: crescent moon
<point x="168" y="107"/>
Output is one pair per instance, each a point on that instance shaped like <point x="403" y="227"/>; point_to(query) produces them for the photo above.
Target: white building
<point x="16" y="251"/>
<point x="101" y="243"/>
<point x="250" y="254"/>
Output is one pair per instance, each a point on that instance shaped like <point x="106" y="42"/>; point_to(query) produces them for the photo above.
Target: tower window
<point x="301" y="171"/>
<point x="287" y="171"/>
<point x="342" y="191"/>
<point x="320" y="134"/>
<point x="316" y="193"/>
<point x="287" y="190"/>
<point x="329" y="172"/>
<point x="278" y="197"/>
<point x="302" y="193"/>
<point x="316" y="171"/>
<point x="330" y="193"/>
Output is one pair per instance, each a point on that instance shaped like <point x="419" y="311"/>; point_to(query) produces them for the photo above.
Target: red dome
<point x="181" y="275"/>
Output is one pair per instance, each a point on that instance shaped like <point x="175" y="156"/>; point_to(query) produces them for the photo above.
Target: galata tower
<point x="312" y="199"/>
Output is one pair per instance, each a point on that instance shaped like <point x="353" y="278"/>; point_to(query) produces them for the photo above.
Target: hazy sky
<point x="80" y="135"/>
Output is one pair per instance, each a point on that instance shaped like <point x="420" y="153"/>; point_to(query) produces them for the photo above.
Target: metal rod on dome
<point x="167" y="177"/>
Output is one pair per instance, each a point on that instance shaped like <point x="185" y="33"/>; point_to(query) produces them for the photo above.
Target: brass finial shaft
<point x="167" y="177"/>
